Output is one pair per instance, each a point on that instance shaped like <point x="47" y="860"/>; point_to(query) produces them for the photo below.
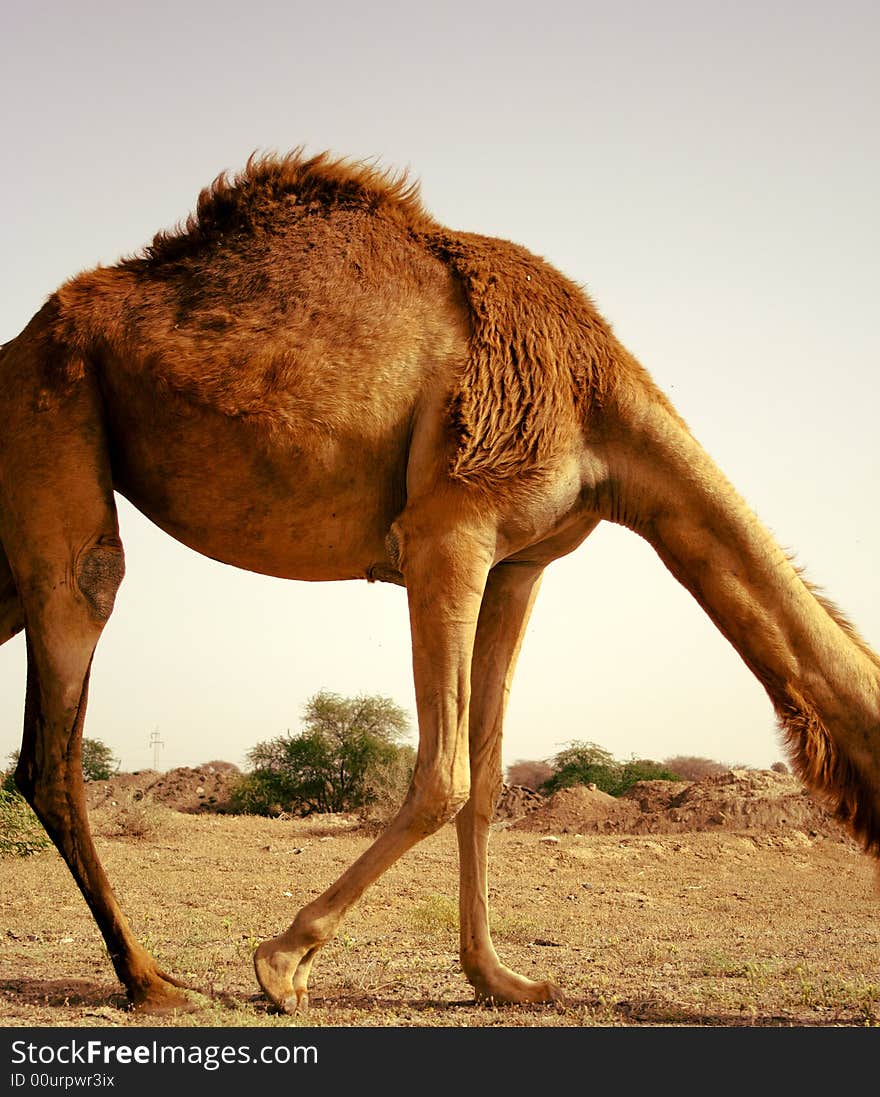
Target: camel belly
<point x="277" y="507"/>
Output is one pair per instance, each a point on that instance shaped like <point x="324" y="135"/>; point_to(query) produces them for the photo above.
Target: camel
<point x="311" y="378"/>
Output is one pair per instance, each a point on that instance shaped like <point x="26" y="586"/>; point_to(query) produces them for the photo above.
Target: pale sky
<point x="709" y="171"/>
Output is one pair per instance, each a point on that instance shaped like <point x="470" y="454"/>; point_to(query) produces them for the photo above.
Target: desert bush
<point x="529" y="774"/>
<point x="134" y="815"/>
<point x="386" y="785"/>
<point x="583" y="763"/>
<point x="690" y="768"/>
<point x="21" y="832"/>
<point x="779" y="767"/>
<point x="346" y="758"/>
<point x="641" y="769"/>
<point x="99" y="763"/>
<point x="257" y="793"/>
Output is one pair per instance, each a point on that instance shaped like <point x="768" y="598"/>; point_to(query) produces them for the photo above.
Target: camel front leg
<point x="445" y="579"/>
<point x="507" y="604"/>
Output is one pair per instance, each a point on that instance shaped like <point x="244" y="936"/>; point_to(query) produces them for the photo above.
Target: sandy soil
<point x="730" y="903"/>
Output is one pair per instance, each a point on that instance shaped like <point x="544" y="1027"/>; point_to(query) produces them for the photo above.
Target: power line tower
<point x="156" y="743"/>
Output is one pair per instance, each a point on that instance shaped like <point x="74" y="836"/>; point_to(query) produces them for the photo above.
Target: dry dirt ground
<point x="733" y="901"/>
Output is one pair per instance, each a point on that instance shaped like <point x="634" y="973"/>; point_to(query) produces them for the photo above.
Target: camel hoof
<point x="274" y="980"/>
<point x="163" y="998"/>
<point x="298" y="1002"/>
<point x="522" y="992"/>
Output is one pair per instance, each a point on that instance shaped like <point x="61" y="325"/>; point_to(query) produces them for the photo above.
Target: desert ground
<point x="732" y="901"/>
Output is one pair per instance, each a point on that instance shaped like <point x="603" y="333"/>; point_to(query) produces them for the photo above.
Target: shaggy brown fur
<point x="833" y="775"/>
<point x="311" y="378"/>
<point x="541" y="358"/>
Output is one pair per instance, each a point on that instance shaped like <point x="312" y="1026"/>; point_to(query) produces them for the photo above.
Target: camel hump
<point x="274" y="193"/>
<point x="331" y="325"/>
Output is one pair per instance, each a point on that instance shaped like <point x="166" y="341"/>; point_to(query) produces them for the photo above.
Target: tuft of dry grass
<point x="135" y="815"/>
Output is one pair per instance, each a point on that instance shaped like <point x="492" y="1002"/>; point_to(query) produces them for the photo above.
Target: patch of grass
<point x="718" y="964"/>
<point x="435" y="914"/>
<point x="247" y="945"/>
<point x="374" y="977"/>
<point x="135" y="816"/>
<point x="760" y="986"/>
<point x="758" y="973"/>
<point x="836" y="992"/>
<point x="517" y="929"/>
<point x="21" y="832"/>
<point x="438" y="914"/>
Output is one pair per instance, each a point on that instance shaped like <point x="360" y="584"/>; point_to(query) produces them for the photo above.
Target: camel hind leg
<point x="64" y="624"/>
<point x="59" y="532"/>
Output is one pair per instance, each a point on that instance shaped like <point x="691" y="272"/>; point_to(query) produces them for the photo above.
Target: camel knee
<point x="485" y="793"/>
<point x="99" y="574"/>
<point x="433" y="806"/>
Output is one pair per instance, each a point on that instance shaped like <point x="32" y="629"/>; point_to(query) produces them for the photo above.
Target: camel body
<point x="312" y="379"/>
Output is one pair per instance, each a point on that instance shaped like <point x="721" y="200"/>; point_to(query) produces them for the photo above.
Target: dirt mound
<point x="579" y="810"/>
<point x="516" y="801"/>
<point x="742" y="799"/>
<point x="188" y="790"/>
<point x="739" y="800"/>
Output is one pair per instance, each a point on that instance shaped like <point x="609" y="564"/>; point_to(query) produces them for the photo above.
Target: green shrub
<point x="642" y="769"/>
<point x="347" y="758"/>
<point x="21" y="832"/>
<point x="258" y="793"/>
<point x="584" y="763"/>
<point x="99" y="763"/>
